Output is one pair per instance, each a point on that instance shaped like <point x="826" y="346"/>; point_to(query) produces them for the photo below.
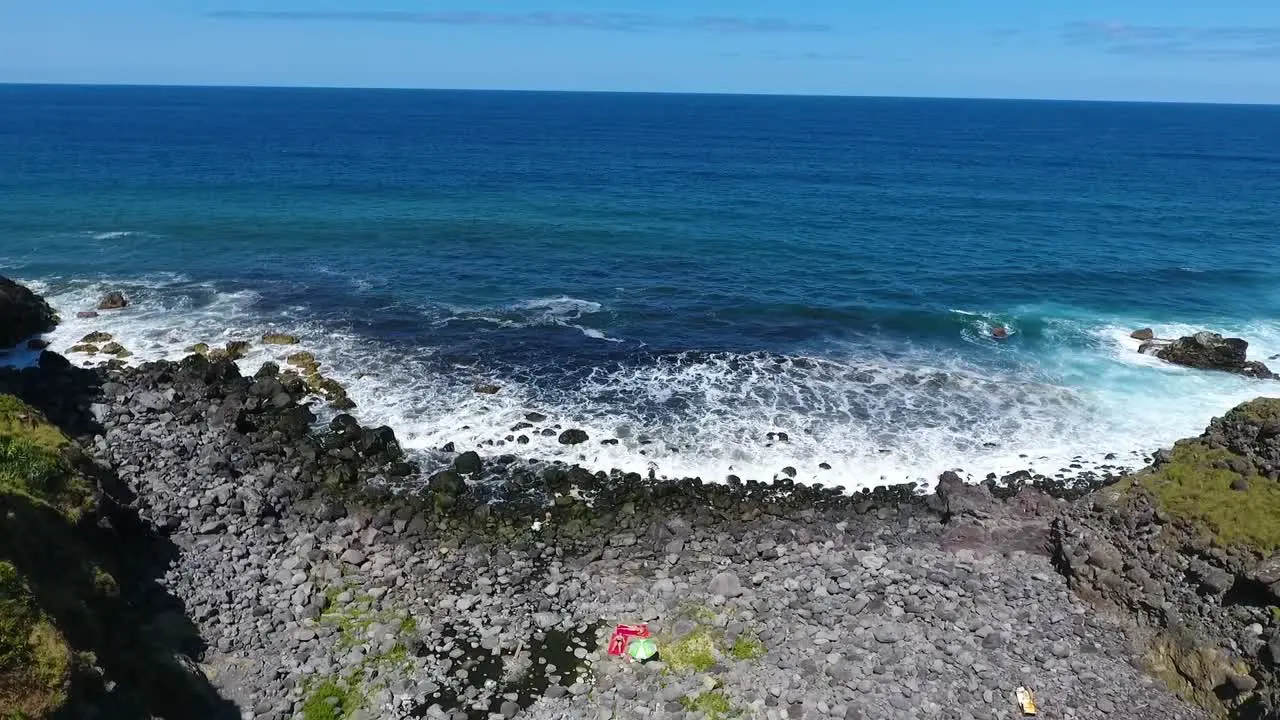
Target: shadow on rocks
<point x="95" y="576"/>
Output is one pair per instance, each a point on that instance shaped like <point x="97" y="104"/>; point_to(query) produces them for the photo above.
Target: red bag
<point x="623" y="634"/>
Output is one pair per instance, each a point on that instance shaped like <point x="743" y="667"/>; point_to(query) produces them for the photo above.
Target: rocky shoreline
<point x="271" y="563"/>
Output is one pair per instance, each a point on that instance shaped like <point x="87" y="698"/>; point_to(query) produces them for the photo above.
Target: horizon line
<point x="714" y="93"/>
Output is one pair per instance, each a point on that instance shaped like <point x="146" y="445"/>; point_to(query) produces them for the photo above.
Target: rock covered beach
<point x="263" y="558"/>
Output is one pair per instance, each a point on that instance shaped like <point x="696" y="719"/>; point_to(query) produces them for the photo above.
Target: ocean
<point x="687" y="274"/>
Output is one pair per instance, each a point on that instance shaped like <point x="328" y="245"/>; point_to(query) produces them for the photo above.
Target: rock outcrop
<point x="1208" y="351"/>
<point x="1188" y="546"/>
<point x="22" y="313"/>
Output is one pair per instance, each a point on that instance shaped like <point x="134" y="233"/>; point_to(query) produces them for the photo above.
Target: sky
<point x="1164" y="50"/>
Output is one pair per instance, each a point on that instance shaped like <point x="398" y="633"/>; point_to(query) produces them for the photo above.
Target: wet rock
<point x="86" y="314"/>
<point x="468" y="463"/>
<point x="573" y="437"/>
<point x="1143" y="334"/>
<point x="96" y="338"/>
<point x="114" y="300"/>
<point x="486" y="389"/>
<point x="1208" y="351"/>
<point x="279" y="339"/>
<point x="22" y="313"/>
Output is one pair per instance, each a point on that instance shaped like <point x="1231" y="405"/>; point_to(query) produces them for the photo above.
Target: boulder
<point x="1143" y="334"/>
<point x="113" y="300"/>
<point x="279" y="339"/>
<point x="1208" y="351"/>
<point x="86" y="314"/>
<point x="237" y="349"/>
<point x="468" y="463"/>
<point x="486" y="388"/>
<point x="22" y="313"/>
<point x="573" y="436"/>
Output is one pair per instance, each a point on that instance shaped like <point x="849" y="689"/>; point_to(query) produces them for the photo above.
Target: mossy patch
<point x="35" y="661"/>
<point x="747" y="648"/>
<point x="331" y="700"/>
<point x="1195" y="486"/>
<point x="695" y="651"/>
<point x="1194" y="673"/>
<point x="1261" y="411"/>
<point x="715" y="705"/>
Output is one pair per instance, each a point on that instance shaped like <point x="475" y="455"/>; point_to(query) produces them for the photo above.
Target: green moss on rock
<point x="715" y="705"/>
<point x="330" y="700"/>
<point x="1198" y="487"/>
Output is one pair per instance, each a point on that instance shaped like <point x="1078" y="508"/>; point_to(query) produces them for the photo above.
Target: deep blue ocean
<point x="686" y="273"/>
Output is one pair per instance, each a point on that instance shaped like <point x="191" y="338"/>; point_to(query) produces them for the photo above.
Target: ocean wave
<point x="871" y="416"/>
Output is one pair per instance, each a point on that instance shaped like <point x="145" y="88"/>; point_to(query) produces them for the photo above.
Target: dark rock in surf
<point x="1208" y="351"/>
<point x="573" y="437"/>
<point x="114" y="300"/>
<point x="1143" y="334"/>
<point x="486" y="389"/>
<point x="468" y="463"/>
<point x="86" y="314"/>
<point x="22" y="313"/>
<point x="535" y="417"/>
<point x="37" y="344"/>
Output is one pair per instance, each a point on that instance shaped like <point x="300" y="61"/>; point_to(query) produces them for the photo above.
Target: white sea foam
<point x="873" y="420"/>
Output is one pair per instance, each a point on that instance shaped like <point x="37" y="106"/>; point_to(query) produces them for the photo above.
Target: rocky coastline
<point x="261" y="566"/>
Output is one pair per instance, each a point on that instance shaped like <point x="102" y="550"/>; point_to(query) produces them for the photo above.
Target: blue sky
<point x="1220" y="51"/>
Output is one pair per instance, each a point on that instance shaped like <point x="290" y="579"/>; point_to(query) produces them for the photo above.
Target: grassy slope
<point x="1200" y="487"/>
<point x="36" y="487"/>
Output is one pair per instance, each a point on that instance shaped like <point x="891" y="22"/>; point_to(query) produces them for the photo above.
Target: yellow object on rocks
<point x="1026" y="700"/>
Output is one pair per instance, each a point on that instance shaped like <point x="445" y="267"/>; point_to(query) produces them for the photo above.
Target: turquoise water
<point x="697" y="271"/>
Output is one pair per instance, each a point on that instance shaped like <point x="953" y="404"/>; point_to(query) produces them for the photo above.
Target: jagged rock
<point x="573" y="436"/>
<point x="114" y="300"/>
<point x="486" y="389"/>
<point x="1208" y="351"/>
<point x="96" y="338"/>
<point x="22" y="313"/>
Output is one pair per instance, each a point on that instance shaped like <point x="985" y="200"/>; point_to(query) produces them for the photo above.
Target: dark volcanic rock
<point x="1208" y="351"/>
<point x="573" y="437"/>
<point x="114" y="300"/>
<point x="22" y="313"/>
<point x="1143" y="334"/>
<point x="468" y="463"/>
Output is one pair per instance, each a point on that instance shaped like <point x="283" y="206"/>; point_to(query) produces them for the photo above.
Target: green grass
<point x="1195" y="487"/>
<point x="35" y="660"/>
<point x="715" y="705"/>
<point x="329" y="700"/>
<point x="747" y="647"/>
<point x="695" y="651"/>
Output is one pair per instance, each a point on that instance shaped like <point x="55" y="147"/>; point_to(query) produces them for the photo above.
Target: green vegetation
<point x="715" y="705"/>
<point x="35" y="661"/>
<point x="337" y="698"/>
<point x="329" y="700"/>
<point x="1192" y="672"/>
<point x="1196" y="486"/>
<point x="695" y="651"/>
<point x="747" y="647"/>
